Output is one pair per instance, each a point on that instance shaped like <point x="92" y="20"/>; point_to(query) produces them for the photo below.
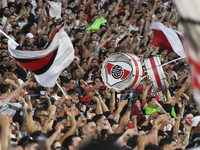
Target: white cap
<point x="29" y="35"/>
<point x="195" y="121"/>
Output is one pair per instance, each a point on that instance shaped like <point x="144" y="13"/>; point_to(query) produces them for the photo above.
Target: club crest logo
<point x="117" y="72"/>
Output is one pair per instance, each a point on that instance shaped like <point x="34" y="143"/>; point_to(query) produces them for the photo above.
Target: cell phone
<point x="70" y="106"/>
<point x="22" y="134"/>
<point x="119" y="96"/>
<point x="42" y="93"/>
<point x="176" y="138"/>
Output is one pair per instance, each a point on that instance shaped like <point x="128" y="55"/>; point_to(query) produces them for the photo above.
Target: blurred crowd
<point x="92" y="116"/>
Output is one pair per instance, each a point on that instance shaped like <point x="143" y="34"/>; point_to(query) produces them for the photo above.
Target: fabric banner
<point x="166" y="38"/>
<point x="55" y="9"/>
<point x="189" y="12"/>
<point x="46" y="64"/>
<point x="96" y="24"/>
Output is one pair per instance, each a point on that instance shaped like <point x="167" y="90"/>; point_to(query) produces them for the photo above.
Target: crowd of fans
<point x="92" y="116"/>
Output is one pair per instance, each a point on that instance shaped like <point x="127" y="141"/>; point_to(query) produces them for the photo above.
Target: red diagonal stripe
<point x="126" y="73"/>
<point x="37" y="64"/>
<point x="137" y="71"/>
<point x="109" y="67"/>
<point x="153" y="65"/>
<point x="160" y="40"/>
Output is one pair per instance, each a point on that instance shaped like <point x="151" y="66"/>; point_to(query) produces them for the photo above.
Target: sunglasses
<point x="45" y="116"/>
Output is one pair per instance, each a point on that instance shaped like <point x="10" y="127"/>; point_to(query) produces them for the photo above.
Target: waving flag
<point x="166" y="38"/>
<point x="97" y="23"/>
<point x="46" y="64"/>
<point x="189" y="12"/>
<point x="55" y="9"/>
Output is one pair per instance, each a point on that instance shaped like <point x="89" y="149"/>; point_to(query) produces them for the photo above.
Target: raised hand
<point x="69" y="111"/>
<point x="81" y="122"/>
<point x="27" y="82"/>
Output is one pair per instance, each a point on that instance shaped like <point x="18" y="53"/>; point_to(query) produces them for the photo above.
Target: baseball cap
<point x="195" y="121"/>
<point x="169" y="67"/>
<point x="88" y="88"/>
<point x="150" y="97"/>
<point x="29" y="35"/>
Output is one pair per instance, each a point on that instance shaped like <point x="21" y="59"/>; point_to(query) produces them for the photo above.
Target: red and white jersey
<point x="85" y="23"/>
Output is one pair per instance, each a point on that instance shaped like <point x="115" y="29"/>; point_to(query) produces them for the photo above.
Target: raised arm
<point x="73" y="129"/>
<point x="177" y="123"/>
<point x="99" y="108"/>
<point x="169" y="97"/>
<point x="116" y="115"/>
<point x="112" y="100"/>
<point x="85" y="52"/>
<point x="182" y="89"/>
<point x="186" y="137"/>
<point x="17" y="91"/>
<point x="181" y="78"/>
<point x="5" y="137"/>
<point x="40" y="18"/>
<point x="145" y="93"/>
<point x="123" y="121"/>
<point x="103" y="105"/>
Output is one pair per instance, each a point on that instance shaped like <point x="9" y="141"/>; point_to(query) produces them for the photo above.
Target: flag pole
<point x="9" y="38"/>
<point x="62" y="90"/>
<point x="172" y="61"/>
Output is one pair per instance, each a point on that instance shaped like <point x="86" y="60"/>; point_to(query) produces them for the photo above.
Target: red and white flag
<point x="46" y="64"/>
<point x="166" y="38"/>
<point x="189" y="12"/>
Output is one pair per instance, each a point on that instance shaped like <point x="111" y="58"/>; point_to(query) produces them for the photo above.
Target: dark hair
<point x="77" y="116"/>
<point x="92" y="34"/>
<point x="157" y="11"/>
<point x="37" y="9"/>
<point x="74" y="69"/>
<point x="79" y="11"/>
<point x="97" y="117"/>
<point x="167" y="108"/>
<point x="152" y="147"/>
<point x="76" y="41"/>
<point x="72" y="91"/>
<point x="71" y="79"/>
<point x="28" y="4"/>
<point x="100" y="145"/>
<point x="78" y="30"/>
<point x="26" y="141"/>
<point x="59" y="119"/>
<point x="111" y="121"/>
<point x="113" y="17"/>
<point x="37" y="119"/>
<point x="5" y="8"/>
<point x="4" y="88"/>
<point x="2" y="72"/>
<point x="165" y="141"/>
<point x="143" y="5"/>
<point x="112" y="138"/>
<point x="186" y="113"/>
<point x="89" y="120"/>
<point x="132" y="142"/>
<point x="68" y="141"/>
<point x="15" y="26"/>
<point x="39" y="110"/>
<point x="18" y="118"/>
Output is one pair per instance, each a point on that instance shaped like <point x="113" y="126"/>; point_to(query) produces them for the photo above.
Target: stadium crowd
<point x="34" y="117"/>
